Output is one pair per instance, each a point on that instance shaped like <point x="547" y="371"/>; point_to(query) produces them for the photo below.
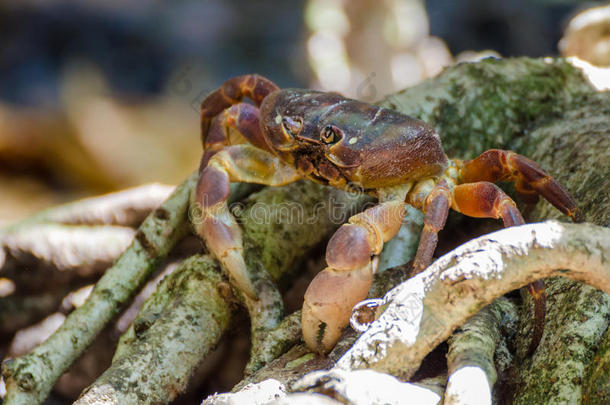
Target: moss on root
<point x="294" y="223"/>
<point x="546" y="110"/>
<point x="493" y="103"/>
<point x="596" y="389"/>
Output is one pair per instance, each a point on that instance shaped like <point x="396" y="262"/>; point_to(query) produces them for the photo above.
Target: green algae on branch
<point x="596" y="389"/>
<point x="30" y="378"/>
<point x="179" y="325"/>
<point x="149" y="342"/>
<point x="492" y="103"/>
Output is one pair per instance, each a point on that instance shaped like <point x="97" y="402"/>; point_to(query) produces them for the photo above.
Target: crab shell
<point x="372" y="147"/>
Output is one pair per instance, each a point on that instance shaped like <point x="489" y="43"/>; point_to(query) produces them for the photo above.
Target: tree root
<point x="470" y="360"/>
<point x="29" y="378"/>
<point x="125" y="208"/>
<point x="176" y="328"/>
<point x="423" y="311"/>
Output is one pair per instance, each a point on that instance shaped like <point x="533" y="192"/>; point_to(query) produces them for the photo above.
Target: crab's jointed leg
<point x="217" y="226"/>
<point x="436" y="209"/>
<point x="226" y="121"/>
<point x="255" y="87"/>
<point x="350" y="256"/>
<point x="486" y="200"/>
<point x="235" y="125"/>
<point x="480" y="199"/>
<point x="530" y="180"/>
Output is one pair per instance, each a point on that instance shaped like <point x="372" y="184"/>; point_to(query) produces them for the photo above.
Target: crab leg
<point x="350" y="256"/>
<point x="231" y="92"/>
<point x="436" y="209"/>
<point x="235" y="125"/>
<point x="497" y="165"/>
<point x="486" y="200"/>
<point x="217" y="226"/>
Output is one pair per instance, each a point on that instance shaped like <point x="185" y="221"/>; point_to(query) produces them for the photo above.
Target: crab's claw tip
<point x="328" y="304"/>
<point x="234" y="261"/>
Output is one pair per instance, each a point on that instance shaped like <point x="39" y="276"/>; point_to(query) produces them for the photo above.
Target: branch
<point x="470" y="360"/>
<point x="352" y="387"/>
<point x="68" y="250"/>
<point x="366" y="387"/>
<point x="126" y="208"/>
<point x="178" y="327"/>
<point x="57" y="238"/>
<point x="171" y="335"/>
<point x="30" y="378"/>
<point x="275" y="342"/>
<point x="423" y="311"/>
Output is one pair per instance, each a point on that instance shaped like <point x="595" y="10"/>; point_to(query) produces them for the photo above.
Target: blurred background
<point x="101" y="95"/>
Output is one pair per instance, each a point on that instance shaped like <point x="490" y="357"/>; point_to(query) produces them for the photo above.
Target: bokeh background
<point x="101" y="95"/>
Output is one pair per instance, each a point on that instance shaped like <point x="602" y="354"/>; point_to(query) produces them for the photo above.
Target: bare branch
<point x="85" y="250"/>
<point x="423" y="311"/>
<point x="30" y="378"/>
<point x="470" y="360"/>
<point x="126" y="208"/>
<point x="365" y="386"/>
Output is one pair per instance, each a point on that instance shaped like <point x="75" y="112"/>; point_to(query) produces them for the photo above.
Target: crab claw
<point x="329" y="300"/>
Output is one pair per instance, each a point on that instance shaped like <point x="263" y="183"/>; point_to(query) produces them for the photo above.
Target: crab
<point x="291" y="134"/>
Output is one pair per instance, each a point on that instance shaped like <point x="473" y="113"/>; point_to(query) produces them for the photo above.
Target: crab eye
<point x="331" y="134"/>
<point x="292" y="126"/>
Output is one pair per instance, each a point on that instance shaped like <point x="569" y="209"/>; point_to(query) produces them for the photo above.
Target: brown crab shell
<point x="377" y="147"/>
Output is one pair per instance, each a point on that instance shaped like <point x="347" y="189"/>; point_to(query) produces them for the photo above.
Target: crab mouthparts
<point x="307" y="140"/>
